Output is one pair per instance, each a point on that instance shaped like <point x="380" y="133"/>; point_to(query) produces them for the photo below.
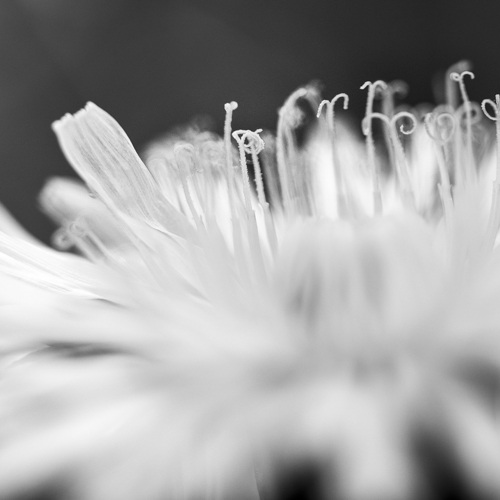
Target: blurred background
<point x="154" y="64"/>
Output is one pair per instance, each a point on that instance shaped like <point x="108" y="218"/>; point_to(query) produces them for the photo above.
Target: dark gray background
<point x="154" y="64"/>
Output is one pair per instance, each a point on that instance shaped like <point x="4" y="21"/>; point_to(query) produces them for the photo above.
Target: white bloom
<point x="208" y="338"/>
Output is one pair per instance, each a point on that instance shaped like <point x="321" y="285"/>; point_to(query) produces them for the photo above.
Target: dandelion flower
<point x="261" y="317"/>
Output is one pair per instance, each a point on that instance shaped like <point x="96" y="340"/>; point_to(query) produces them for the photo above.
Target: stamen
<point x="295" y="176"/>
<point x="339" y="180"/>
<point x="370" y="145"/>
<point x="237" y="236"/>
<point x="441" y="134"/>
<point x="395" y="88"/>
<point x="452" y="147"/>
<point x="253" y="144"/>
<point x="459" y="77"/>
<point x="229" y="107"/>
<point x="250" y="143"/>
<point x="468" y="115"/>
<point x="251" y="224"/>
<point x="465" y="115"/>
<point x="402" y="167"/>
<point x="270" y="170"/>
<point x="285" y="122"/>
<point x="494" y="222"/>
<point x="255" y="149"/>
<point x="450" y="88"/>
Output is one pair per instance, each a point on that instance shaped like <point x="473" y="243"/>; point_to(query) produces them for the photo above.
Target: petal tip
<point x="58" y="124"/>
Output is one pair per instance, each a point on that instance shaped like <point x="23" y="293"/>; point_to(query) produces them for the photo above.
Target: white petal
<point x="102" y="154"/>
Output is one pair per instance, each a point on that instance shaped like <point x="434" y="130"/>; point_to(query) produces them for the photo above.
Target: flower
<point x="327" y="320"/>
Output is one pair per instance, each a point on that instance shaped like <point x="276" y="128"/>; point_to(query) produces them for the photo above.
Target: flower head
<point x="231" y="313"/>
